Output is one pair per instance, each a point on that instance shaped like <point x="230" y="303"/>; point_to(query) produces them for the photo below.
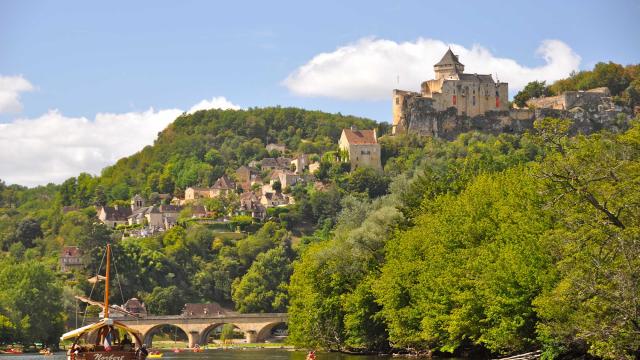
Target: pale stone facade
<point x="361" y="147"/>
<point x="470" y="94"/>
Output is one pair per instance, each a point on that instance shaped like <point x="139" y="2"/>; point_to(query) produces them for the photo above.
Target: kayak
<point x="155" y="355"/>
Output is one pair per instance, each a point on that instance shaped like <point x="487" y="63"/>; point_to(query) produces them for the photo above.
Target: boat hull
<point x="106" y="355"/>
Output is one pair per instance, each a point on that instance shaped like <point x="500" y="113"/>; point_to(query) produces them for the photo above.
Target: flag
<point x="107" y="342"/>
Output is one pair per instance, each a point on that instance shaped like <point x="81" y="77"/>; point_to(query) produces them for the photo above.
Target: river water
<point x="217" y="354"/>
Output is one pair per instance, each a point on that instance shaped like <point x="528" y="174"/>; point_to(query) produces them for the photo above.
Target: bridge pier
<point x="194" y="338"/>
<point x="251" y="336"/>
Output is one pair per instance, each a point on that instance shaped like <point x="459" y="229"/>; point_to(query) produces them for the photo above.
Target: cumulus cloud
<point x="370" y="68"/>
<point x="217" y="102"/>
<point x="10" y="89"/>
<point x="54" y="147"/>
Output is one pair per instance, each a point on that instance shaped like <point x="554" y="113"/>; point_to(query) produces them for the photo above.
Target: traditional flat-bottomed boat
<point x="102" y="340"/>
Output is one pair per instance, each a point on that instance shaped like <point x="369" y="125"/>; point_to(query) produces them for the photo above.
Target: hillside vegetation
<point x="485" y="245"/>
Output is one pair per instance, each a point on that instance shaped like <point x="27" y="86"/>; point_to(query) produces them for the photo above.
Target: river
<point x="249" y="354"/>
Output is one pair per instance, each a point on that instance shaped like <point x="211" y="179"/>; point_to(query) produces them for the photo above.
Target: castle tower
<point x="448" y="65"/>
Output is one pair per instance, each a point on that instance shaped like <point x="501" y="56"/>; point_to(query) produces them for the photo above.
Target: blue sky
<point x="123" y="57"/>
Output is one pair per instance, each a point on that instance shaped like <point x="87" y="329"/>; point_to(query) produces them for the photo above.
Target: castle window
<point x="497" y="94"/>
<point x="397" y="101"/>
<point x="474" y="100"/>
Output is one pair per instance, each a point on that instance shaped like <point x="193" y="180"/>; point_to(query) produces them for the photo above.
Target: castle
<point x="455" y="102"/>
<point x="470" y="94"/>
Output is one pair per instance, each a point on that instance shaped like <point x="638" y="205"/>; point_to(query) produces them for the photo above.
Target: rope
<point x="84" y="316"/>
<point x="115" y="266"/>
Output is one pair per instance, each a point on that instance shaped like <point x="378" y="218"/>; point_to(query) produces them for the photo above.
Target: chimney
<point x="354" y="128"/>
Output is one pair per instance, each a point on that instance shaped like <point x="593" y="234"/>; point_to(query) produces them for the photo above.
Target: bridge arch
<point x="147" y="336"/>
<point x="265" y="332"/>
<point x="206" y="332"/>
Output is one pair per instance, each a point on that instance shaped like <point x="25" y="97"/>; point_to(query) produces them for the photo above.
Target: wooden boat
<point x="154" y="355"/>
<point x="11" y="352"/>
<point x="101" y="340"/>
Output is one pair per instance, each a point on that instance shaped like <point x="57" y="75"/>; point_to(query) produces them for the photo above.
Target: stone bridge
<point x="256" y="327"/>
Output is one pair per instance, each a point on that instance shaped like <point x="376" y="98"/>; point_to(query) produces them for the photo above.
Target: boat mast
<point x="106" y="286"/>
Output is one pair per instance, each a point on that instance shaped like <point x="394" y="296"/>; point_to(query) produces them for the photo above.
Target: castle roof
<point x="360" y="137"/>
<point x="480" y="78"/>
<point x="449" y="58"/>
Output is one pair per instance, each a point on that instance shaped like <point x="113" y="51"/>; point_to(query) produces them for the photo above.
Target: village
<point x="248" y="194"/>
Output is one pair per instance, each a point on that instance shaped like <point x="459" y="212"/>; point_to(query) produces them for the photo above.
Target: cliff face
<point x="589" y="113"/>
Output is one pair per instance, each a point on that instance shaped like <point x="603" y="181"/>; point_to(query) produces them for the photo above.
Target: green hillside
<point x="482" y="246"/>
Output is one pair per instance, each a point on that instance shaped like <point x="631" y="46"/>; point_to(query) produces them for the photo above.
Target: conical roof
<point x="449" y="58"/>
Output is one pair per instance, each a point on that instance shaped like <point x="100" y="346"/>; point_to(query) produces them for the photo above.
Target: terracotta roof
<point x="116" y="214"/>
<point x="71" y="251"/>
<point x="203" y="309"/>
<point x="360" y="137"/>
<point x="449" y="58"/>
<point x="224" y="183"/>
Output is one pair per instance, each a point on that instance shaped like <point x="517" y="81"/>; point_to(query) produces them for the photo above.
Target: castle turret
<point x="448" y="65"/>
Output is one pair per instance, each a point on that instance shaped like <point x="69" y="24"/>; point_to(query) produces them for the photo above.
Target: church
<point x="470" y="94"/>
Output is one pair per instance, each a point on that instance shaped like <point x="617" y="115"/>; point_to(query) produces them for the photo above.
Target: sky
<point x="85" y="83"/>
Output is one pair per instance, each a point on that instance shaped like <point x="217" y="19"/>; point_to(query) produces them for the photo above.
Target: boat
<point x="154" y="355"/>
<point x="11" y="351"/>
<point x="101" y="340"/>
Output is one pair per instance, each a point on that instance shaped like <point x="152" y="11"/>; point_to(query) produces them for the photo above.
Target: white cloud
<point x="10" y="89"/>
<point x="370" y="68"/>
<point x="54" y="147"/>
<point x="217" y="102"/>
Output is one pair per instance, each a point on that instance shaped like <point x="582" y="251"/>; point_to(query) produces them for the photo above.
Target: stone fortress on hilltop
<point x="455" y="102"/>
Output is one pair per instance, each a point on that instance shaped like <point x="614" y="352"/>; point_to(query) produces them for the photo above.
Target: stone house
<point x="469" y="94"/>
<point x="278" y="147"/>
<point x="274" y="199"/>
<point x="250" y="205"/>
<point x="281" y="163"/>
<point x="223" y="186"/>
<point x="300" y="163"/>
<point x="361" y="147"/>
<point x="247" y="176"/>
<point x="194" y="193"/>
<point x="70" y="258"/>
<point x="285" y="177"/>
<point x="113" y="216"/>
<point x="314" y="167"/>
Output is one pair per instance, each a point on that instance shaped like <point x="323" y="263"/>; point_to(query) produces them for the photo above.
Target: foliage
<point x="31" y="301"/>
<point x="534" y="89"/>
<point x="592" y="184"/>
<point x="264" y="287"/>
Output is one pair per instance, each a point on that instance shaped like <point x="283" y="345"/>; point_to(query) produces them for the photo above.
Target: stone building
<point x="278" y="147"/>
<point x="247" y="176"/>
<point x="469" y="94"/>
<point x="70" y="258"/>
<point x="113" y="216"/>
<point x="361" y="147"/>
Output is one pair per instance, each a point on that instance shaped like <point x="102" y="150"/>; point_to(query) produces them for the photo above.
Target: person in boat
<point x="311" y="355"/>
<point x="126" y="343"/>
<point x="142" y="352"/>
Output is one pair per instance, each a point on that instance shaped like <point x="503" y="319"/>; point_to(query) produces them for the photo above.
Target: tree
<point x="592" y="185"/>
<point x="264" y="287"/>
<point x="534" y="89"/>
<point x="369" y="181"/>
<point x="33" y="298"/>
<point x="468" y="271"/>
<point x="165" y="300"/>
<point x="27" y="231"/>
